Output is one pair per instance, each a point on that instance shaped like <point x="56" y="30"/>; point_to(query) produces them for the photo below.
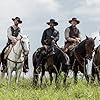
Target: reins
<point x="17" y="54"/>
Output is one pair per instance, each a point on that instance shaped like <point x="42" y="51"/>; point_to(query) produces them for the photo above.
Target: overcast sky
<point x="35" y="14"/>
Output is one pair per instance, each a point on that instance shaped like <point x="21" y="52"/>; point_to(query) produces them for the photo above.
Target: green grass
<point x="25" y="91"/>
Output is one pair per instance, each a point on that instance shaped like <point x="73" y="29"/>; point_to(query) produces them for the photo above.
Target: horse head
<point x="89" y="47"/>
<point x="25" y="44"/>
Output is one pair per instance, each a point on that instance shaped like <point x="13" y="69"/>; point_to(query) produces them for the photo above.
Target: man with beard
<point x="13" y="35"/>
<point x="72" y="35"/>
<point x="49" y="39"/>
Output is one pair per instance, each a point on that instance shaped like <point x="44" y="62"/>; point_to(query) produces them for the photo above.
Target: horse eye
<point x="22" y="41"/>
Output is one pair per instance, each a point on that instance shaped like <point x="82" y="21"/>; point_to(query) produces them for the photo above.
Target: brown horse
<point x="79" y="56"/>
<point x="96" y="65"/>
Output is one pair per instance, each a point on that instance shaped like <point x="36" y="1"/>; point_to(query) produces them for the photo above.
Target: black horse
<point x="79" y="55"/>
<point x="0" y="59"/>
<point x="96" y="65"/>
<point x="51" y="63"/>
<point x="37" y="69"/>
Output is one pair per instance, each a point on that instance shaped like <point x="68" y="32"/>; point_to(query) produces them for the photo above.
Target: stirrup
<point x="4" y="69"/>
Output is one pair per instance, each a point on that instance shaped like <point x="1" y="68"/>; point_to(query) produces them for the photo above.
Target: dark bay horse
<point x="51" y="63"/>
<point x="37" y="69"/>
<point x="79" y="56"/>
<point x="96" y="65"/>
<point x="56" y="64"/>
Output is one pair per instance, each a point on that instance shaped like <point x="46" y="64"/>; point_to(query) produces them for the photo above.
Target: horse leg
<point x="75" y="74"/>
<point x="92" y="78"/>
<point x="93" y="75"/>
<point x="98" y="76"/>
<point x="18" y="73"/>
<point x="35" y="77"/>
<point x="9" y="75"/>
<point x="56" y="79"/>
<point x="42" y="74"/>
<point x="86" y="75"/>
<point x="51" y="78"/>
<point x="2" y="77"/>
<point x="87" y="78"/>
<point x="65" y="76"/>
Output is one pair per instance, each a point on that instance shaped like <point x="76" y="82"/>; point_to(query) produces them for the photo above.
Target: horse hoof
<point x="4" y="70"/>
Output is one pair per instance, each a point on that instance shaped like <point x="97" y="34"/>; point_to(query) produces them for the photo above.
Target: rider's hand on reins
<point x="52" y="37"/>
<point x="45" y="47"/>
<point x="53" y="42"/>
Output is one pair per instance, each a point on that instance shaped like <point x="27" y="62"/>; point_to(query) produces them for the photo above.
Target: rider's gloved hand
<point x="45" y="47"/>
<point x="14" y="40"/>
<point x="18" y="37"/>
<point x="52" y="37"/>
<point x="53" y="42"/>
<point x="77" y="40"/>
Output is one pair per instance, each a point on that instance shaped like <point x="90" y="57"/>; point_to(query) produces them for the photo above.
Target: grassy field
<point x="25" y="91"/>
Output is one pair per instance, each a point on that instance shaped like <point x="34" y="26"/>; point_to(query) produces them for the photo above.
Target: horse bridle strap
<point x="22" y="47"/>
<point x="15" y="61"/>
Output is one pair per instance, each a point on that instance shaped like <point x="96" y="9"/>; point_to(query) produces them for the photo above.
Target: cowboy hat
<point x="74" y="19"/>
<point x="18" y="19"/>
<point x="52" y="21"/>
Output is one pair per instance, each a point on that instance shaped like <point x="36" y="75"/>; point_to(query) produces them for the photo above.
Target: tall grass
<point x="25" y="91"/>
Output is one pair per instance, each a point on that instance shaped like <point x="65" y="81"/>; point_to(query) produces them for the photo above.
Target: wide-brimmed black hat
<point x="18" y="19"/>
<point x="52" y="21"/>
<point x="74" y="19"/>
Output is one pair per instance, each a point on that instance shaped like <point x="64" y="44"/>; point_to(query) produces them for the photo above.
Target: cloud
<point x="90" y="8"/>
<point x="32" y="12"/>
<point x="93" y="2"/>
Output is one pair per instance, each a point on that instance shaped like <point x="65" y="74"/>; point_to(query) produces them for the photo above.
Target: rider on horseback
<point x="72" y="35"/>
<point x="49" y="39"/>
<point x="13" y="34"/>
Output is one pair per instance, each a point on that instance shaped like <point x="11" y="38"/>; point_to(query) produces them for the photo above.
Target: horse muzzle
<point x="26" y="52"/>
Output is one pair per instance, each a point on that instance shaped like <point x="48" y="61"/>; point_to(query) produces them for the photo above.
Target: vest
<point x="14" y="33"/>
<point x="73" y="32"/>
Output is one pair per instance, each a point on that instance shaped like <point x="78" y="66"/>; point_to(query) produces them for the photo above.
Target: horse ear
<point x="86" y="37"/>
<point x="94" y="38"/>
<point x="21" y="36"/>
<point x="27" y="35"/>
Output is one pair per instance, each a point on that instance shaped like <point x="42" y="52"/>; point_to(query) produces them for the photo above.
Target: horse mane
<point x="61" y="55"/>
<point x="96" y="50"/>
<point x="80" y="48"/>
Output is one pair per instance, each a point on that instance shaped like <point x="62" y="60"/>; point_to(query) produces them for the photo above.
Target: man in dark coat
<point x="13" y="34"/>
<point x="49" y="39"/>
<point x="72" y="35"/>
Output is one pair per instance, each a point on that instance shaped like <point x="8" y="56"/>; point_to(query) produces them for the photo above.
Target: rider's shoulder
<point x="56" y="31"/>
<point x="46" y="30"/>
<point x="67" y="29"/>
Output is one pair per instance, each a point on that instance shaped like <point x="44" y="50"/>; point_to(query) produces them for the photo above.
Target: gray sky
<point x="35" y="14"/>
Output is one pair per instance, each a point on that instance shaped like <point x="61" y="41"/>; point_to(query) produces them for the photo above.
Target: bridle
<point x="77" y="58"/>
